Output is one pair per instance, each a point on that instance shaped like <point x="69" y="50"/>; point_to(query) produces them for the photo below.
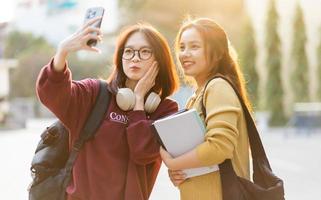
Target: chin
<point x="134" y="77"/>
<point x="188" y="73"/>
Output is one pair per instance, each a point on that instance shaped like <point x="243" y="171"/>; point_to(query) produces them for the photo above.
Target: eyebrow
<point x="132" y="47"/>
<point x="192" y="42"/>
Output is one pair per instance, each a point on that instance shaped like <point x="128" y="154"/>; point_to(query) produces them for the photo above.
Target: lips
<point x="134" y="67"/>
<point x="187" y="63"/>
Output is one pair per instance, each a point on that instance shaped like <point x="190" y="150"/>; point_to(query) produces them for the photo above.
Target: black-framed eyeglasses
<point x="144" y="53"/>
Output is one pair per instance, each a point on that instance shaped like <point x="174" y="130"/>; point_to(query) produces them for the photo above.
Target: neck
<point x="200" y="80"/>
<point x="131" y="84"/>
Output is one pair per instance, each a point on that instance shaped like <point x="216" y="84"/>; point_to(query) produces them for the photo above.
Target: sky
<point x="7" y="10"/>
<point x="34" y="16"/>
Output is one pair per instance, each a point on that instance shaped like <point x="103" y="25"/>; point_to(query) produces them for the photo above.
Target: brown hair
<point x="218" y="53"/>
<point x="166" y="82"/>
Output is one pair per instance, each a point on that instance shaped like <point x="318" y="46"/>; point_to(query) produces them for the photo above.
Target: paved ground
<point x="295" y="158"/>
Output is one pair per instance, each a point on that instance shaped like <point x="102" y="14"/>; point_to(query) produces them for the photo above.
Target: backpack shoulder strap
<point x="256" y="145"/>
<point x="93" y="122"/>
<point x="95" y="117"/>
<point x="98" y="112"/>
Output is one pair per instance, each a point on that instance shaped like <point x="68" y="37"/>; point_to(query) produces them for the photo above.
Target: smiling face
<point x="192" y="53"/>
<point x="136" y="67"/>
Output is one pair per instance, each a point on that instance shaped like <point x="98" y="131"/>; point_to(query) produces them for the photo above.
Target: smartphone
<point x="92" y="13"/>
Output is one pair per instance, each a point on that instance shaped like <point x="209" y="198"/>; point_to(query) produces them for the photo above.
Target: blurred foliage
<point x="88" y="68"/>
<point x="167" y="15"/>
<point x="275" y="93"/>
<point x="16" y="43"/>
<point x="247" y="57"/>
<point x="319" y="67"/>
<point x="131" y="4"/>
<point x="300" y="68"/>
<point x="32" y="54"/>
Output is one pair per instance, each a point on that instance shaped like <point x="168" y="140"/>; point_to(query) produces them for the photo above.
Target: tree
<point x="93" y="68"/>
<point x="17" y="42"/>
<point x="300" y="70"/>
<point x="248" y="60"/>
<point x="33" y="53"/>
<point x="167" y="15"/>
<point x="273" y="63"/>
<point x="319" y="68"/>
<point x="132" y="4"/>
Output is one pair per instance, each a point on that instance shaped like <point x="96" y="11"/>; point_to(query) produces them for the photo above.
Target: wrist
<point x="61" y="51"/>
<point x="60" y="60"/>
<point x="139" y="103"/>
<point x="139" y="97"/>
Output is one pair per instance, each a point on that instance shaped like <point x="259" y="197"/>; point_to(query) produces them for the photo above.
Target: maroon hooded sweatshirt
<point x="122" y="161"/>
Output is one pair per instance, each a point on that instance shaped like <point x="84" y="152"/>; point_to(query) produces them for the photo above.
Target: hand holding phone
<point x="93" y="13"/>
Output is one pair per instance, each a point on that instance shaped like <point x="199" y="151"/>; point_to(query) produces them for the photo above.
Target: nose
<point x="185" y="53"/>
<point x="136" y="57"/>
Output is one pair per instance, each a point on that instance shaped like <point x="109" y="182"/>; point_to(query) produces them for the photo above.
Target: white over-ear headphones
<point x="125" y="99"/>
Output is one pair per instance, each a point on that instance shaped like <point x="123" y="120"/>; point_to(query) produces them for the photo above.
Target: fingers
<point x="176" y="176"/>
<point x="87" y="34"/>
<point x="91" y="29"/>
<point x="100" y="38"/>
<point x="154" y="70"/>
<point x="147" y="82"/>
<point x="176" y="172"/>
<point x="78" y="40"/>
<point x="91" y="22"/>
<point x="152" y="73"/>
<point x="94" y="49"/>
<point x="91" y="36"/>
<point x="177" y="183"/>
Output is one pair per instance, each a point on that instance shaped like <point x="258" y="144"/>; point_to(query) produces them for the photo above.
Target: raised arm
<point x="55" y="88"/>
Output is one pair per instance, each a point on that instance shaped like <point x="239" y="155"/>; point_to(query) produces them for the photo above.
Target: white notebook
<point x="181" y="133"/>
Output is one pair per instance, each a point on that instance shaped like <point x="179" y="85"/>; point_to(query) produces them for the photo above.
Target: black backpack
<point x="53" y="162"/>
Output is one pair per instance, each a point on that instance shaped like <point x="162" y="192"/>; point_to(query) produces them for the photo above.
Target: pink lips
<point x="187" y="64"/>
<point x="134" y="68"/>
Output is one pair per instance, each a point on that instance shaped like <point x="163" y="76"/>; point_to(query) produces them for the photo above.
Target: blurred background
<point x="279" y="48"/>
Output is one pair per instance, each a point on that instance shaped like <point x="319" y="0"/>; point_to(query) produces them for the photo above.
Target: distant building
<point x="56" y="19"/>
<point x="5" y="65"/>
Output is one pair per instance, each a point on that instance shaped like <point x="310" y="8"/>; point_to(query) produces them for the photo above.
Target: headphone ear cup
<point x="152" y="102"/>
<point x="125" y="99"/>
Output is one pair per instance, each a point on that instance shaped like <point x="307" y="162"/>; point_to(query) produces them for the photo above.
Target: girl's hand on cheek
<point x="147" y="81"/>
